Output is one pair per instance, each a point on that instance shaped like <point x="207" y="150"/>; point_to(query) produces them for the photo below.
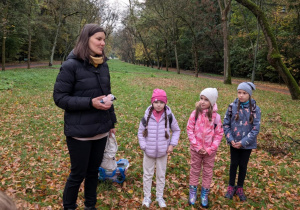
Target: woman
<point x="82" y="82"/>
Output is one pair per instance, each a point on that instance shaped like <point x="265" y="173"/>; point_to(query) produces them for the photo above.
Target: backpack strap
<point x="230" y="110"/>
<point x="170" y="117"/>
<point x="217" y="119"/>
<point x="144" y="122"/>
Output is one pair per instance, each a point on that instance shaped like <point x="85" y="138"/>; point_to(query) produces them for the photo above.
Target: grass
<point x="34" y="157"/>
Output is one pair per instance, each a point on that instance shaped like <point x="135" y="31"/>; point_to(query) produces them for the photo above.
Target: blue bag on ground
<point x="118" y="175"/>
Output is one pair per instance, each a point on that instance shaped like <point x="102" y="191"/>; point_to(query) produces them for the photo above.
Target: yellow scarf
<point x="96" y="60"/>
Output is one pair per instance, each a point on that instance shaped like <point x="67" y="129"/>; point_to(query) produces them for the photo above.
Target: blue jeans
<point x="86" y="157"/>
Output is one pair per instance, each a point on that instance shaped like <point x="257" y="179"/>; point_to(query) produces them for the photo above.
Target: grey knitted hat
<point x="246" y="86"/>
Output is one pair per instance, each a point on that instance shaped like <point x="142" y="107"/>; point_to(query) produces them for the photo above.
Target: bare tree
<point x="62" y="15"/>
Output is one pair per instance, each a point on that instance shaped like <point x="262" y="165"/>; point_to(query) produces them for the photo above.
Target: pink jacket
<point x="202" y="134"/>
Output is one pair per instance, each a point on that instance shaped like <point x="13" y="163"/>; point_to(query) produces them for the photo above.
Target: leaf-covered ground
<point x="34" y="162"/>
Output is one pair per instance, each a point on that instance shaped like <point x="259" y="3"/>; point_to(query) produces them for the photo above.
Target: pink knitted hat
<point x="159" y="95"/>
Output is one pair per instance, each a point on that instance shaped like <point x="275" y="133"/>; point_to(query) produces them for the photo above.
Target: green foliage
<point x="34" y="154"/>
<point x="5" y="83"/>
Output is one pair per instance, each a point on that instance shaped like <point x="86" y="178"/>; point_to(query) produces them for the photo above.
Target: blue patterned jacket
<point x="242" y="130"/>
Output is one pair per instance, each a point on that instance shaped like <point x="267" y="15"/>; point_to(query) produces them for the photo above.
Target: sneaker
<point x="240" y="192"/>
<point x="192" y="195"/>
<point x="161" y="202"/>
<point x="230" y="192"/>
<point x="204" y="197"/>
<point x="146" y="202"/>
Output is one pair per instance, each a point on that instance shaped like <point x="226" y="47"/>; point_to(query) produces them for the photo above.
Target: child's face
<point x="243" y="96"/>
<point x="204" y="102"/>
<point x="158" y="105"/>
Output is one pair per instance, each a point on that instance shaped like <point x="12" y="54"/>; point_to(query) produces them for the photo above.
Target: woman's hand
<point x="170" y="149"/>
<point x="113" y="130"/>
<point x="98" y="105"/>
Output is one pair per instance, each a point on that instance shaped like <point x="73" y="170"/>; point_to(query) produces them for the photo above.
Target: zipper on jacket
<point x="157" y="125"/>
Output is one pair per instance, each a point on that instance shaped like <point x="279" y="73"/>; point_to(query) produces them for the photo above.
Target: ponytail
<point x="237" y="116"/>
<point x="198" y="110"/>
<point x="166" y="123"/>
<point x="251" y="111"/>
<point x="145" y="132"/>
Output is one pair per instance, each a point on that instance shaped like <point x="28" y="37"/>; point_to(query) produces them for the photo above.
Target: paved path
<point x="24" y="65"/>
<point x="259" y="85"/>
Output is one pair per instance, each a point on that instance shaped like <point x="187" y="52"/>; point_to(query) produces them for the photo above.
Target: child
<point x="205" y="133"/>
<point x="155" y="141"/>
<point x="241" y="127"/>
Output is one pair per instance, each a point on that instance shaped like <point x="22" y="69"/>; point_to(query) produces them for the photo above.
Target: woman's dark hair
<point x="237" y="116"/>
<point x="82" y="50"/>
<point x="145" y="133"/>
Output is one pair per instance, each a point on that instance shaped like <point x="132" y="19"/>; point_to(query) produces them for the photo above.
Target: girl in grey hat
<point x="241" y="127"/>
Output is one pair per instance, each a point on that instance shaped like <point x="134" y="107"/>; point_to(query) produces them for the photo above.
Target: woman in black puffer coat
<point x="83" y="81"/>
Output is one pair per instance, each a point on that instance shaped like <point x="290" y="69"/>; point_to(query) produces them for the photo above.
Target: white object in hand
<point x="108" y="100"/>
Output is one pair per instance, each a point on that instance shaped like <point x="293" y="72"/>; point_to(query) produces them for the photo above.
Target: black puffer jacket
<point x="76" y="84"/>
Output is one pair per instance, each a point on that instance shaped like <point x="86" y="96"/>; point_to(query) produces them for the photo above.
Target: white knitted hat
<point x="211" y="94"/>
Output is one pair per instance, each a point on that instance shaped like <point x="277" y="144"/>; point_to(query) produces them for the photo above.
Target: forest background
<point x="184" y="34"/>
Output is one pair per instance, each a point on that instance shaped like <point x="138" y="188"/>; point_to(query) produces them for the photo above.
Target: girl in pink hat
<point x="205" y="133"/>
<point x="156" y="142"/>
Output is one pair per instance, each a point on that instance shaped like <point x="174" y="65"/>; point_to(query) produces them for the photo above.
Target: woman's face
<point x="97" y="43"/>
<point x="243" y="96"/>
<point x="158" y="105"/>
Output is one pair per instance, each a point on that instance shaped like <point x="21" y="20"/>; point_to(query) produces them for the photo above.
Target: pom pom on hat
<point x="211" y="94"/>
<point x="246" y="86"/>
<point x="159" y="95"/>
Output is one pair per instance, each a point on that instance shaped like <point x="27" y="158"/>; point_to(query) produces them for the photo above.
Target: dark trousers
<point x="86" y="157"/>
<point x="239" y="158"/>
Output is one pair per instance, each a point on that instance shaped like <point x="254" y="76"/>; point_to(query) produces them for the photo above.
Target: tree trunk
<point x="274" y="57"/>
<point x="157" y="56"/>
<point x="227" y="69"/>
<point x="225" y="9"/>
<point x="60" y="18"/>
<point x="145" y="49"/>
<point x="196" y="59"/>
<point x="176" y="58"/>
<point x="29" y="37"/>
<point x="3" y="51"/>
<point x="167" y="55"/>
<point x="256" y="48"/>
<point x="255" y="54"/>
<point x="54" y="43"/>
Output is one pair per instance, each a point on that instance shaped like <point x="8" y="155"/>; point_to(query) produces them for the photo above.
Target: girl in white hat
<point x="205" y="133"/>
